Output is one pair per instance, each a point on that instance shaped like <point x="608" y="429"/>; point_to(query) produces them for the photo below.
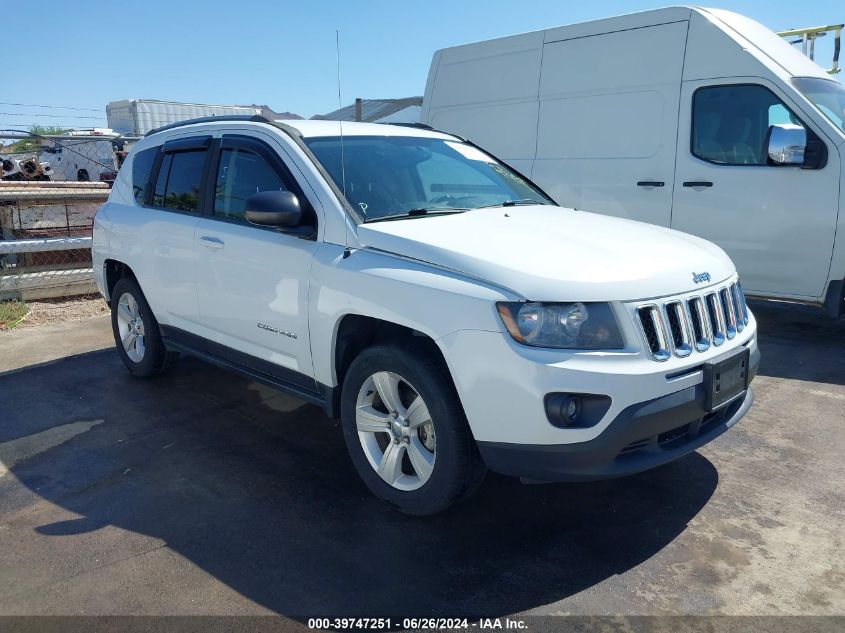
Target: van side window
<point x="242" y="173"/>
<point x="179" y="179"/>
<point x="142" y="167"/>
<point x="730" y="123"/>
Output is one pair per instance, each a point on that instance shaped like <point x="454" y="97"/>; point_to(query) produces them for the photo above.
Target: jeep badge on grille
<point x="699" y="277"/>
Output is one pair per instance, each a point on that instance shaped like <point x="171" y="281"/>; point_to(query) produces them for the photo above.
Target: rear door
<point x="253" y="281"/>
<point x="168" y="224"/>
<point x="608" y="121"/>
<point x="776" y="223"/>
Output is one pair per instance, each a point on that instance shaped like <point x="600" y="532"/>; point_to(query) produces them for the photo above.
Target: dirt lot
<point x="204" y="493"/>
<point x="57" y="311"/>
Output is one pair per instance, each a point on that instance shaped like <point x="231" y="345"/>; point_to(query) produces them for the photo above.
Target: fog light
<point x="581" y="410"/>
<point x="571" y="409"/>
<point x="563" y="409"/>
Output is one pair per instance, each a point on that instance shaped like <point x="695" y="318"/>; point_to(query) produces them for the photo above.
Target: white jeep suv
<point x="438" y="302"/>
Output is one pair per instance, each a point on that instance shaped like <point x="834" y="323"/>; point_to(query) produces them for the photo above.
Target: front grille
<point x="694" y="323"/>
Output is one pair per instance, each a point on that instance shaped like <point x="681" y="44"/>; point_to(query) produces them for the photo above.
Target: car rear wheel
<point x="406" y="431"/>
<point x="136" y="332"/>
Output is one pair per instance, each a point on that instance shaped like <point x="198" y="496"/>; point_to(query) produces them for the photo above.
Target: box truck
<point x="136" y="117"/>
<point x="701" y="120"/>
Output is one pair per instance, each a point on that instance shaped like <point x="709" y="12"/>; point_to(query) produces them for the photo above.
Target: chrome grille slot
<point x="676" y="318"/>
<point x="699" y="324"/>
<point x="652" y="327"/>
<point x="728" y="312"/>
<point x="692" y="323"/>
<point x="739" y="304"/>
<point x="716" y="318"/>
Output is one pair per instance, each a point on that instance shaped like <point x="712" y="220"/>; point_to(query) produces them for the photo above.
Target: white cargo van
<point x="698" y="119"/>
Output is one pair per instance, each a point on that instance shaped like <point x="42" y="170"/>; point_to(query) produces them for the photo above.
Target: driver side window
<point x="730" y="123"/>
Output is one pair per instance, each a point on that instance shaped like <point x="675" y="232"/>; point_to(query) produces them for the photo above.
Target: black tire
<point x="458" y="468"/>
<point x="155" y="357"/>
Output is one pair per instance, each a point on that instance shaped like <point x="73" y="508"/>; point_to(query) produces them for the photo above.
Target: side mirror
<point x="786" y="144"/>
<point x="273" y="208"/>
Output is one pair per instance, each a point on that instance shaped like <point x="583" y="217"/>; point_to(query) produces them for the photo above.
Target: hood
<point x="547" y="253"/>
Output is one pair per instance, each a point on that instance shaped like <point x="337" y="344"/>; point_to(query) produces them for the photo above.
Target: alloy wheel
<point x="130" y="325"/>
<point x="396" y="430"/>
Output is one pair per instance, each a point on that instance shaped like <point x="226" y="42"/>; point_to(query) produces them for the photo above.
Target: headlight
<point x="562" y="325"/>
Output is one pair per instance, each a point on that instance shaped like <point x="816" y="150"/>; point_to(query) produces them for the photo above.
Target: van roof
<point x="781" y="57"/>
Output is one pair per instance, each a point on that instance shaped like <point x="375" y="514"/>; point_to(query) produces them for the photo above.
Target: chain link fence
<point x="50" y="189"/>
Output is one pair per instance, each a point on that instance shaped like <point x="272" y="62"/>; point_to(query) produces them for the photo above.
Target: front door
<point x="253" y="281"/>
<point x="776" y="222"/>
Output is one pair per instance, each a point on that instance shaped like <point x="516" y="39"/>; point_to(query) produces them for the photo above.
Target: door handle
<point x="698" y="183"/>
<point x="650" y="183"/>
<point x="214" y="243"/>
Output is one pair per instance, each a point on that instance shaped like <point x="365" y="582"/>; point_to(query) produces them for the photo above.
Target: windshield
<point x="389" y="176"/>
<point x="827" y="95"/>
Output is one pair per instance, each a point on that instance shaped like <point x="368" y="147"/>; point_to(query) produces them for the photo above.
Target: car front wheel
<point x="406" y="431"/>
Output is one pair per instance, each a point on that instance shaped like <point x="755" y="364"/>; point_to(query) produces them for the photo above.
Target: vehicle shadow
<point x="256" y="489"/>
<point x="799" y="342"/>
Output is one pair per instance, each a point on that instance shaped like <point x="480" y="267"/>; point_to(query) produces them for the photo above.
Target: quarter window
<point x="142" y="167"/>
<point x="730" y="123"/>
<point x="241" y="174"/>
<point x="179" y="180"/>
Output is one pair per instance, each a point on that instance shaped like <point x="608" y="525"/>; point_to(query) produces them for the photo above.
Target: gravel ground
<point x="54" y="311"/>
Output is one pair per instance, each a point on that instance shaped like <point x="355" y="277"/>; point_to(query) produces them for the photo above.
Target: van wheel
<point x="136" y="332"/>
<point x="406" y="431"/>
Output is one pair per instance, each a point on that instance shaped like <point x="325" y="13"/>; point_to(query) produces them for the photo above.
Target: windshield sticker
<point x="470" y="152"/>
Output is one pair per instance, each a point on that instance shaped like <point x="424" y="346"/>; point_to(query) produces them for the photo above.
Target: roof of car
<point x="317" y="127"/>
<point x="312" y="128"/>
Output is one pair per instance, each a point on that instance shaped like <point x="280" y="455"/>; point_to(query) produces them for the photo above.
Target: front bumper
<point x="641" y="437"/>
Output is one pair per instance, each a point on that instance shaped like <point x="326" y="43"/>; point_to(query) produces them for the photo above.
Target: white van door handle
<point x="651" y="183"/>
<point x="214" y="243"/>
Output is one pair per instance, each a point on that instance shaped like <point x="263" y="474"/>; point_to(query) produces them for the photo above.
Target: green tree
<point x="31" y="145"/>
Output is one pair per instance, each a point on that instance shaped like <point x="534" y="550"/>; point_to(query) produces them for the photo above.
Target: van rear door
<point x="608" y="120"/>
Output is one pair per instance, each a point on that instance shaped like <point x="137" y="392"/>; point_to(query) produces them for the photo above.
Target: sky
<point x="84" y="54"/>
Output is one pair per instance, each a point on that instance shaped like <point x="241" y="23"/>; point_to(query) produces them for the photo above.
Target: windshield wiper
<point x="513" y="203"/>
<point x="416" y="213"/>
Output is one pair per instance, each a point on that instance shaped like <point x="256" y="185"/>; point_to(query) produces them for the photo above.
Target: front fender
<point x="379" y="285"/>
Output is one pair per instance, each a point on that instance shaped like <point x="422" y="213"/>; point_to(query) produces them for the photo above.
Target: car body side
<point x="499" y="382"/>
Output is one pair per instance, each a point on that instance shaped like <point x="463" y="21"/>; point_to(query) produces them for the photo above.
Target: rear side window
<point x="142" y="167"/>
<point x="179" y="181"/>
<point x="241" y="174"/>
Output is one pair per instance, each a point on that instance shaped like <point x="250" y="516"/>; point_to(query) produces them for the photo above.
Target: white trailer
<point x="136" y="117"/>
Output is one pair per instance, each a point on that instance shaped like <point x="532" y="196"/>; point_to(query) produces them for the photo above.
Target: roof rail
<point x="256" y="118"/>
<point x="422" y="126"/>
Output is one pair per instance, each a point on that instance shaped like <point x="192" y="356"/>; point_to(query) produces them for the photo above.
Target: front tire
<point x="136" y="332"/>
<point x="406" y="431"/>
